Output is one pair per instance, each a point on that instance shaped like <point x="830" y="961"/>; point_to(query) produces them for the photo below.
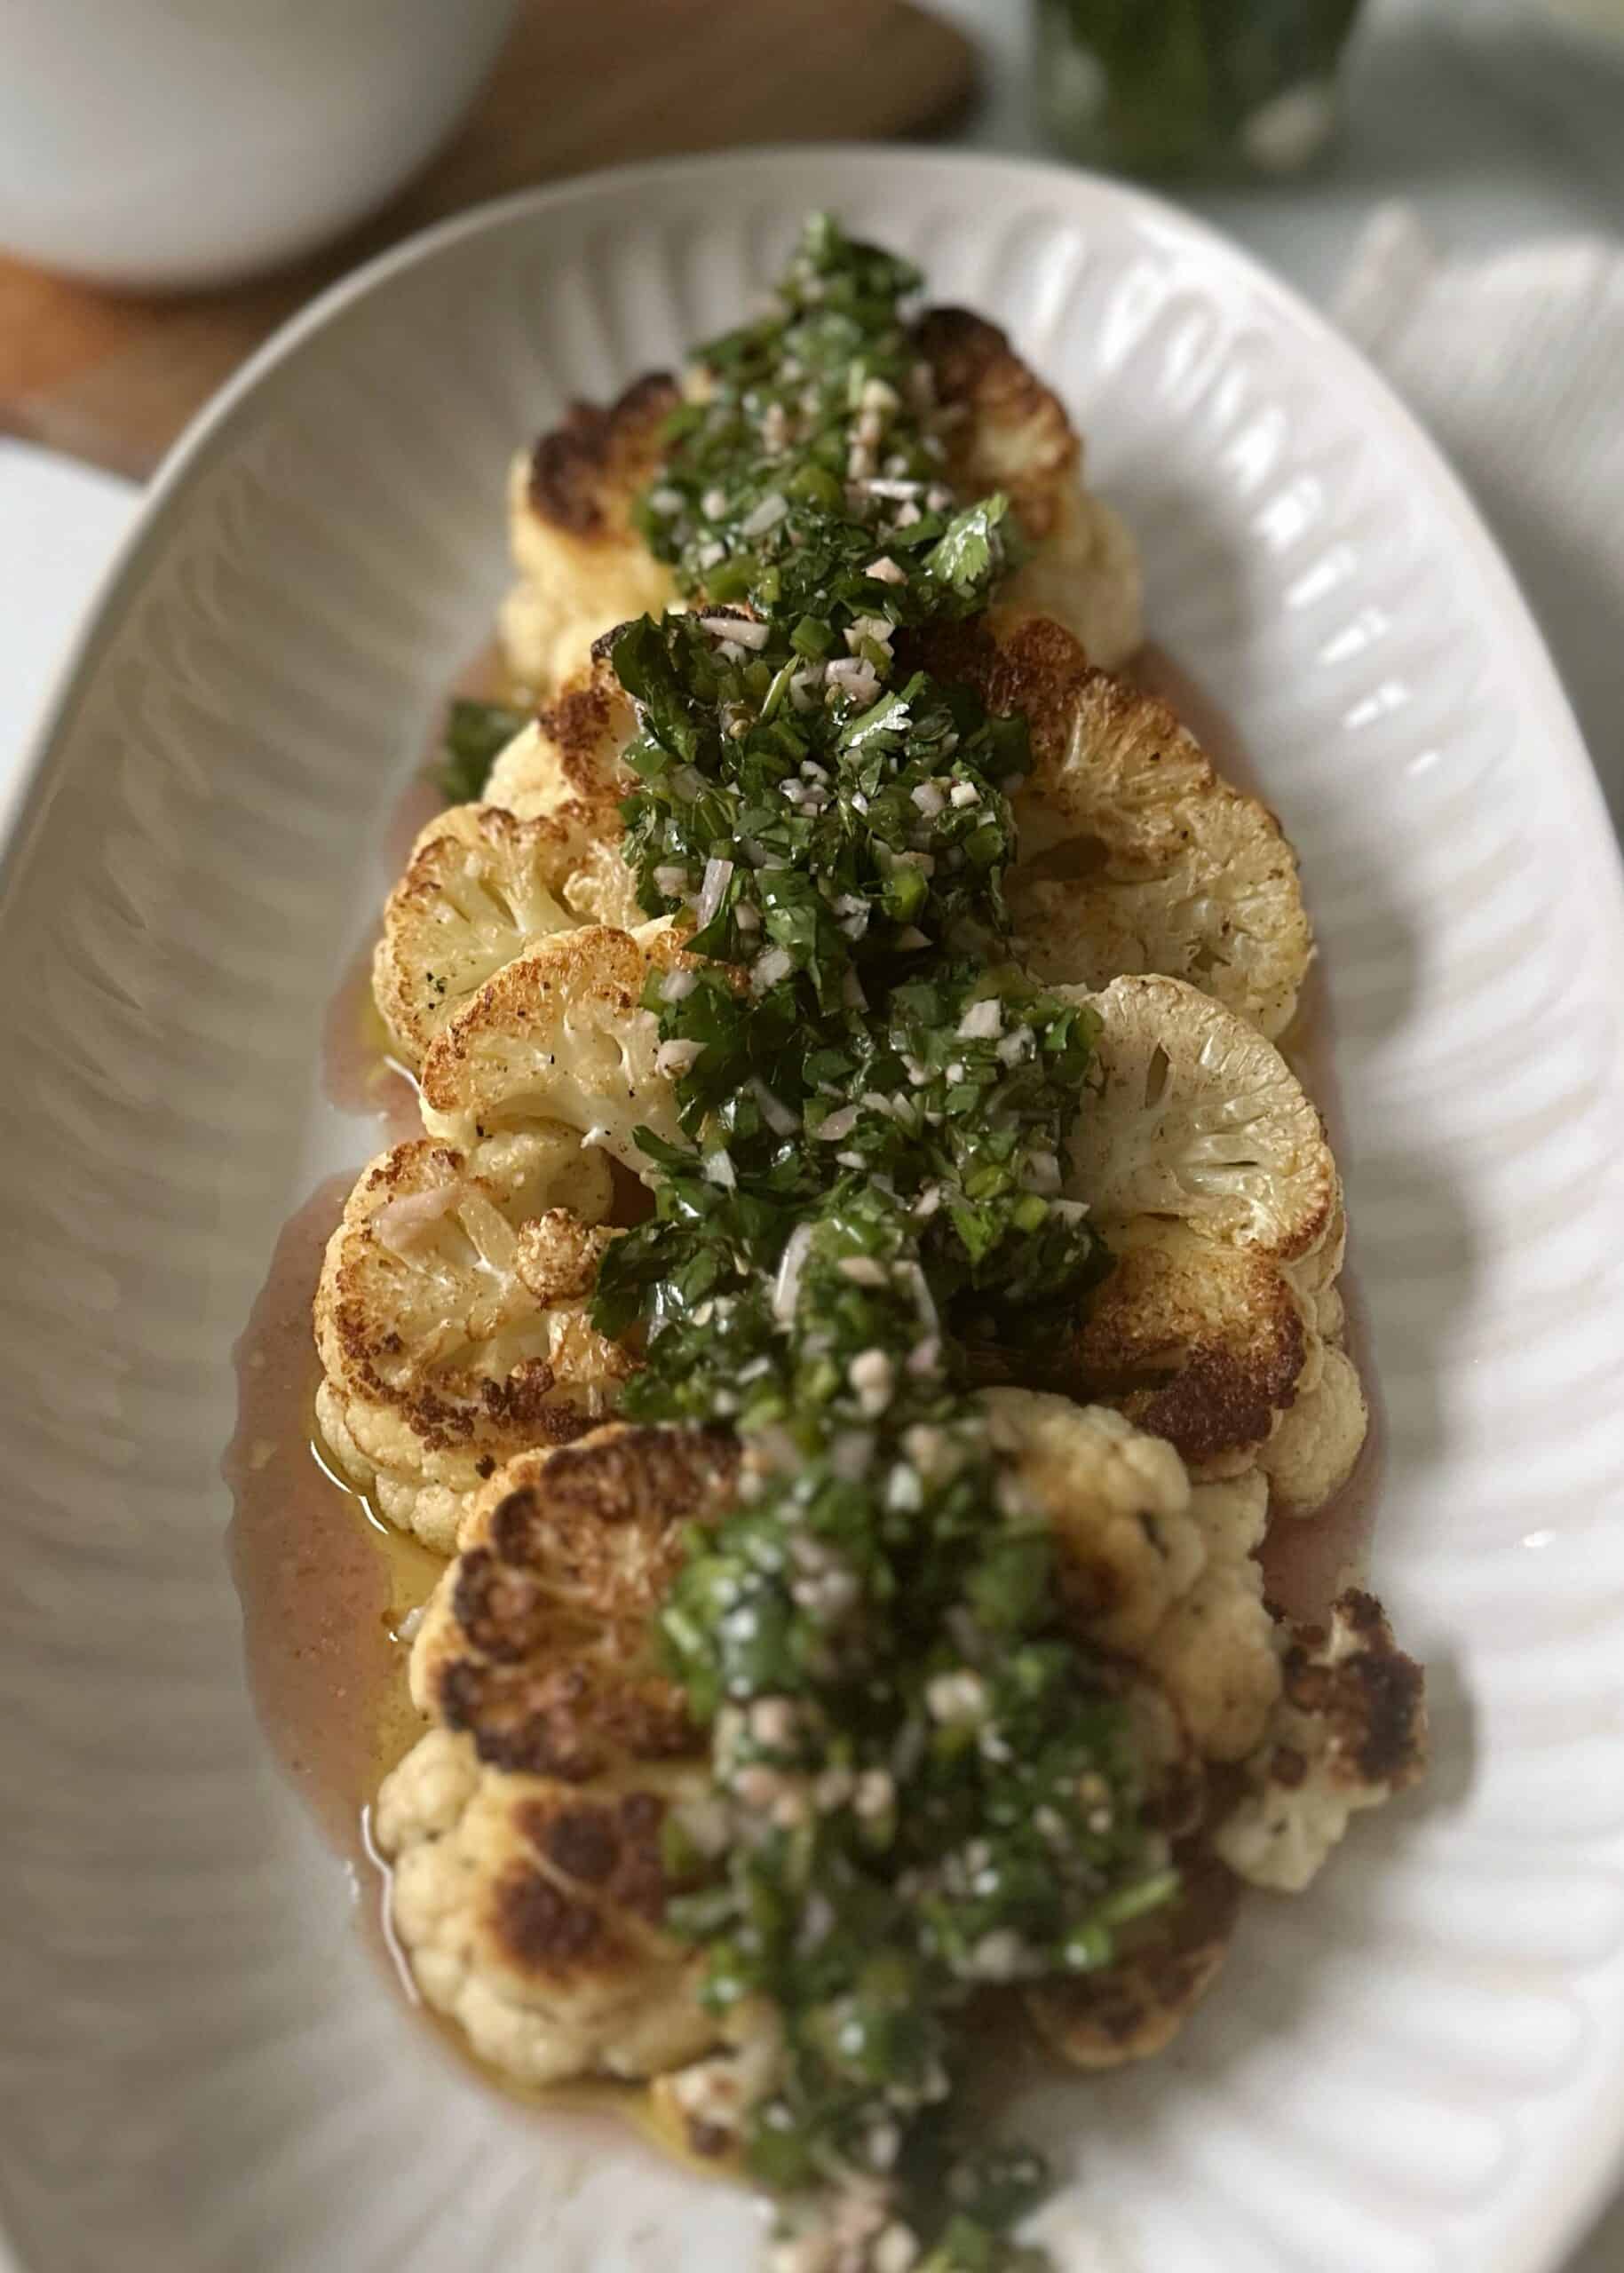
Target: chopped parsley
<point x="932" y="1788"/>
<point x="476" y="735"/>
<point x="809" y="477"/>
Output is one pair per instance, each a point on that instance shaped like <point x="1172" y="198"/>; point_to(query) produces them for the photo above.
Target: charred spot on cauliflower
<point x="565" y="765"/>
<point x="1350" y="1730"/>
<point x="582" y="565"/>
<point x="1133" y="2007"/>
<point x="528" y="1829"/>
<point x="539" y="1642"/>
<point x="1202" y="1344"/>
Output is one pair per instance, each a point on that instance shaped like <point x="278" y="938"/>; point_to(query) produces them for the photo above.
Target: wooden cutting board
<point x="114" y="376"/>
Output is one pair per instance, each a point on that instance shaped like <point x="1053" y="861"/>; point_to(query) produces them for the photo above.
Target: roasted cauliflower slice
<point x="526" y="1829"/>
<point x="1198" y="1121"/>
<point x="1005" y="430"/>
<point x="565" y="765"/>
<point x="562" y="1563"/>
<point x="1149" y="1569"/>
<point x="1136" y="856"/>
<point x="560" y="1034"/>
<point x="1349" y="1729"/>
<point x="582" y="565"/>
<point x="1133" y="2007"/>
<point x="529" y="1911"/>
<point x="481" y="886"/>
<point x="1207" y="1172"/>
<point x="1164" y="1577"/>
<point x="1312" y="1452"/>
<point x="451" y="1318"/>
<point x="1200" y="1342"/>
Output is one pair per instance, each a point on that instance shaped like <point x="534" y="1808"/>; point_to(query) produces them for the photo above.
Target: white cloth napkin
<point x="1516" y="364"/>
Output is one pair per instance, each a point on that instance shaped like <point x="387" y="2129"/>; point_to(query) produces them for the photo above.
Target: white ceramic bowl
<point x="1419" y="2068"/>
<point x="181" y="142"/>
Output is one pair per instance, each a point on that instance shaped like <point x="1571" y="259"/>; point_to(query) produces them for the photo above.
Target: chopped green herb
<point x="476" y="735"/>
<point x="932" y="1785"/>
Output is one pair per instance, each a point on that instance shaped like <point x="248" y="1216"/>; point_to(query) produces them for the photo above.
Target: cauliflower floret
<point x="1199" y="1120"/>
<point x="1135" y="856"/>
<point x="1215" y="1650"/>
<point x="481" y="886"/>
<point x="451" y="1318"/>
<point x="1135" y="2007"/>
<point x="526" y="1830"/>
<point x="1349" y="1729"/>
<point x="582" y="565"/>
<point x="565" y="765"/>
<point x="560" y="1034"/>
<point x="1149" y="1569"/>
<point x="1207" y="1171"/>
<point x="1012" y="434"/>
<point x="1311" y="1454"/>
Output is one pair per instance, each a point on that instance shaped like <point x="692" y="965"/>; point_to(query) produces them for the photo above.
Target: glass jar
<point x="1180" y="87"/>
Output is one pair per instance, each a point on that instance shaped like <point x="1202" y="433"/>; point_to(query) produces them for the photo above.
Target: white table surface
<point x="1482" y="114"/>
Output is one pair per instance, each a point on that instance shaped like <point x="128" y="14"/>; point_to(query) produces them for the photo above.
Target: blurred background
<point x="1444" y="179"/>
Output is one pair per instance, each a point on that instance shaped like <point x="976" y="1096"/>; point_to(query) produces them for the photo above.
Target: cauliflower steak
<point x="525" y="1828"/>
<point x="1207" y="1169"/>
<point x="560" y="1034"/>
<point x="451" y="1318"/>
<point x="582" y="566"/>
<point x="1135" y="855"/>
<point x="481" y="886"/>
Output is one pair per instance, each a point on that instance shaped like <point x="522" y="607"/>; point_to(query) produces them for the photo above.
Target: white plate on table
<point x="1420" y="2066"/>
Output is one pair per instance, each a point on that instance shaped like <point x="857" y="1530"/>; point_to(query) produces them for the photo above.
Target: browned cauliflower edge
<point x="451" y="1318"/>
<point x="582" y="565"/>
<point x="1135" y="855"/>
<point x="1349" y="1729"/>
<point x="525" y="1828"/>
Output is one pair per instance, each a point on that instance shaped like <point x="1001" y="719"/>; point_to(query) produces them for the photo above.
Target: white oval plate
<point x="1421" y="2066"/>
